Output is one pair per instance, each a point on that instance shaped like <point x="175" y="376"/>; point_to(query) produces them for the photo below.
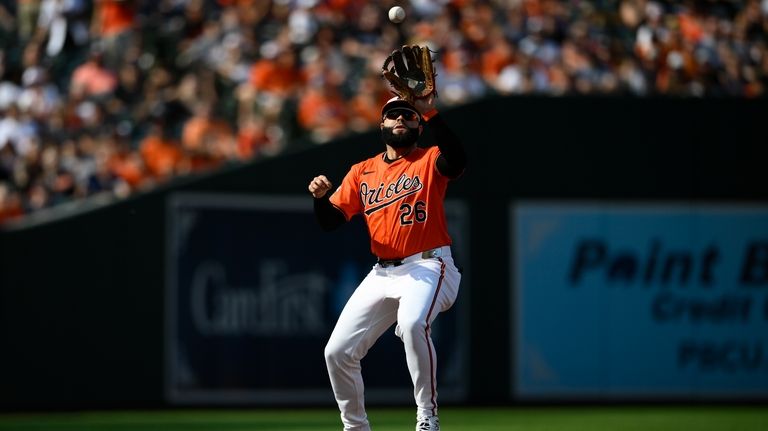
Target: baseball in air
<point x="396" y="14"/>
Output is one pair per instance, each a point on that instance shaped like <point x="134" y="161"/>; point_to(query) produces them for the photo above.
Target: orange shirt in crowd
<point x="114" y="16"/>
<point x="251" y="138"/>
<point x="366" y="108"/>
<point x="129" y="167"/>
<point x="321" y="108"/>
<point x="281" y="76"/>
<point x="161" y="156"/>
<point x="208" y="142"/>
<point x="198" y="131"/>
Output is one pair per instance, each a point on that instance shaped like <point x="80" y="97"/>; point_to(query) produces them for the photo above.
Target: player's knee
<point x="335" y="354"/>
<point x="331" y="353"/>
<point x="411" y="328"/>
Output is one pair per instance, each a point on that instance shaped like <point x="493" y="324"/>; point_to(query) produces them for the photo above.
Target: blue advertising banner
<point x="254" y="288"/>
<point x="639" y="300"/>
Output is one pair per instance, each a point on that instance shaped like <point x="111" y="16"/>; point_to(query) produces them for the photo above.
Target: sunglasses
<point x="408" y="114"/>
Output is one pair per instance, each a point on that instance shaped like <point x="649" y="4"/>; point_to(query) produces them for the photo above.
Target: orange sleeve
<point x="347" y="195"/>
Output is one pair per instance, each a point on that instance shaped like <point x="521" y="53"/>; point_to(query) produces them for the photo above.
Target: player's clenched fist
<point x="319" y="186"/>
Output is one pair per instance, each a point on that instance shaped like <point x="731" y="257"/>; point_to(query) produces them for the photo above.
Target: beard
<point x="403" y="140"/>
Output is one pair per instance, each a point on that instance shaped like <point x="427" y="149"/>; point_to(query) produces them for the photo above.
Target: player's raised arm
<point x="328" y="216"/>
<point x="453" y="159"/>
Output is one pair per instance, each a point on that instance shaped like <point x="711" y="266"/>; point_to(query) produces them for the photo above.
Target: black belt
<point x="429" y="254"/>
<point x="386" y="263"/>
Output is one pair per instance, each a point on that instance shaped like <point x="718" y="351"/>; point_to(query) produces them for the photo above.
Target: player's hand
<point x="319" y="186"/>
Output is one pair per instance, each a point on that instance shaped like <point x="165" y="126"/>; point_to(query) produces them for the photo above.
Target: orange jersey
<point x="401" y="201"/>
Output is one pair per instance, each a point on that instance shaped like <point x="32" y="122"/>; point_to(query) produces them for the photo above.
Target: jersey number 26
<point x="409" y="213"/>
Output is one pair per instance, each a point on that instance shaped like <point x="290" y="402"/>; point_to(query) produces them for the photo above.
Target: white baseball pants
<point x="410" y="295"/>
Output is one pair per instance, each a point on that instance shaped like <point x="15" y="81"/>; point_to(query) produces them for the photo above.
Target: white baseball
<point x="396" y="14"/>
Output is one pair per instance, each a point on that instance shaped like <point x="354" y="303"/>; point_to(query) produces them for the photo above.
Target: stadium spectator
<point x="127" y="166"/>
<point x="10" y="203"/>
<point x="208" y="141"/>
<point x="112" y="28"/>
<point x="62" y="23"/>
<point x="277" y="73"/>
<point x="253" y="136"/>
<point x="92" y="79"/>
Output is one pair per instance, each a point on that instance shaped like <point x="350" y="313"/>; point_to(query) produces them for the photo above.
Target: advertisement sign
<point x="254" y="288"/>
<point x="639" y="300"/>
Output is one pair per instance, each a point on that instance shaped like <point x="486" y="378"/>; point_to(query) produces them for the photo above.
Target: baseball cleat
<point x="427" y="423"/>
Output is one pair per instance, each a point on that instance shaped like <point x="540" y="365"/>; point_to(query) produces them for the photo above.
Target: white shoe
<point x="427" y="423"/>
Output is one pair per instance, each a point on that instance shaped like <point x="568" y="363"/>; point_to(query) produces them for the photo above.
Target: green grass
<point x="703" y="418"/>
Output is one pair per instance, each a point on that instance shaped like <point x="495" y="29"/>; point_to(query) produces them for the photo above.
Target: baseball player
<point x="400" y="195"/>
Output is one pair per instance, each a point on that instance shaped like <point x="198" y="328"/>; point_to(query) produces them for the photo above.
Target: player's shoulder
<point x="419" y="152"/>
<point x="366" y="165"/>
<point x="428" y="152"/>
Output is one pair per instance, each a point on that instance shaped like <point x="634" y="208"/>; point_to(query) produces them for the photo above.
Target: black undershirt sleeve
<point x="328" y="216"/>
<point x="452" y="160"/>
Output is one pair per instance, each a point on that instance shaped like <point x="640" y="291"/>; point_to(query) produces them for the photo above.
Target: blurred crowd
<point x="116" y="96"/>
